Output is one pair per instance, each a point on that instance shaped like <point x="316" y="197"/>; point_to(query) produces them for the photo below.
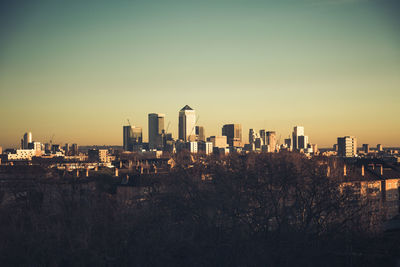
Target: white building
<point x="22" y="154"/>
<point x="187" y="123"/>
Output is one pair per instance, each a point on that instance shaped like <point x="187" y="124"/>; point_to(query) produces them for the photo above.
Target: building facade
<point x="347" y="146"/>
<point x="187" y="123"/>
<point x="156" y="130"/>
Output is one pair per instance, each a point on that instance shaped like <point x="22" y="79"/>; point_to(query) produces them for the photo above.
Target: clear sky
<point x="79" y="69"/>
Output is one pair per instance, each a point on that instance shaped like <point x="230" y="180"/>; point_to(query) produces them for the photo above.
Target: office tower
<point x="263" y="136"/>
<point x="27" y="140"/>
<point x="127" y="133"/>
<point x="297" y="131"/>
<point x="200" y="133"/>
<point x="1" y="150"/>
<point x="347" y="146"/>
<point x="156" y="129"/>
<point x="187" y="122"/>
<point x="67" y="150"/>
<point x="205" y="147"/>
<point x="74" y="150"/>
<point x="218" y="141"/>
<point x="252" y="136"/>
<point x="233" y="133"/>
<point x="365" y="148"/>
<point x="271" y="140"/>
<point x="136" y="136"/>
<point x="98" y="155"/>
<point x="379" y="147"/>
<point x="302" y="142"/>
<point x="288" y="142"/>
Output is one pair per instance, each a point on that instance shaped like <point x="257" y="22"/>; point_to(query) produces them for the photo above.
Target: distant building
<point x="200" y="133"/>
<point x="187" y="123"/>
<point x="270" y="140"/>
<point x="67" y="150"/>
<point x="205" y="147"/>
<point x="379" y="147"/>
<point x="74" y="149"/>
<point x="126" y="133"/>
<point x="288" y="143"/>
<point x="156" y="129"/>
<point x="365" y="148"/>
<point x="192" y="147"/>
<point x="27" y="139"/>
<point x="298" y="133"/>
<point x="233" y="133"/>
<point x="1" y="150"/>
<point x="347" y="146"/>
<point x="302" y="142"/>
<point x="263" y="136"/>
<point x="218" y="141"/>
<point x="98" y="155"/>
<point x="252" y="136"/>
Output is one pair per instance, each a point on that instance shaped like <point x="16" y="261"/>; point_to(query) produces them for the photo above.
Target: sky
<point x="79" y="69"/>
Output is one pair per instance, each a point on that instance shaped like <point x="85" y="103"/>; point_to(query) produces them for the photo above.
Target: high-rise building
<point x="233" y="133"/>
<point x="156" y="130"/>
<point x="302" y="142"/>
<point x="252" y="136"/>
<point x="379" y="147"/>
<point x="74" y="150"/>
<point x="67" y="150"/>
<point x="297" y="131"/>
<point x="200" y="133"/>
<point x="218" y="141"/>
<point x="263" y="136"/>
<point x="347" y="146"/>
<point x="271" y="140"/>
<point x="187" y="123"/>
<point x="127" y="132"/>
<point x="27" y="140"/>
<point x="132" y="137"/>
<point x="365" y="148"/>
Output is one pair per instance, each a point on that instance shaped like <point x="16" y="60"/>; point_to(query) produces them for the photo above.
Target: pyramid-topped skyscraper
<point x="187" y="123"/>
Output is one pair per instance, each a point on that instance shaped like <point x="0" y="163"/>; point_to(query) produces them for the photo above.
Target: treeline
<point x="253" y="210"/>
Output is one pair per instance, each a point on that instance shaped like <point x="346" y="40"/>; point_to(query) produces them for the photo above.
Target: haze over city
<point x="79" y="70"/>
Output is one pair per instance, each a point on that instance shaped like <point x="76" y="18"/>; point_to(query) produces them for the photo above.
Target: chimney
<point x="382" y="170"/>
<point x="344" y="170"/>
<point x="328" y="171"/>
<point x="87" y="172"/>
<point x="77" y="173"/>
<point x="362" y="170"/>
<point x="116" y="172"/>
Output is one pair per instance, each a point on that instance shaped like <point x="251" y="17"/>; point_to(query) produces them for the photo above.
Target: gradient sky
<point x="79" y="69"/>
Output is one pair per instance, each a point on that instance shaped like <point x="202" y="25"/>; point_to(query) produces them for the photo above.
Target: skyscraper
<point x="187" y="123"/>
<point x="347" y="146"/>
<point x="200" y="134"/>
<point x="27" y="140"/>
<point x="156" y="129"/>
<point x="271" y="140"/>
<point x="127" y="133"/>
<point x="297" y="131"/>
<point x="233" y="133"/>
<point x="132" y="137"/>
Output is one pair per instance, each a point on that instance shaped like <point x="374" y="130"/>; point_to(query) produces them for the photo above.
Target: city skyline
<point x="78" y="71"/>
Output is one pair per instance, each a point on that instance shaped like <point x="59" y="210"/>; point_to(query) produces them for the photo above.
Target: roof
<point x="186" y="108"/>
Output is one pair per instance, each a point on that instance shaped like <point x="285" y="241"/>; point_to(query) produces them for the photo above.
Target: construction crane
<point x="166" y="130"/>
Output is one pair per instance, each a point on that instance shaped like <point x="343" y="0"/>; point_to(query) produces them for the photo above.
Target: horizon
<point x="79" y="71"/>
